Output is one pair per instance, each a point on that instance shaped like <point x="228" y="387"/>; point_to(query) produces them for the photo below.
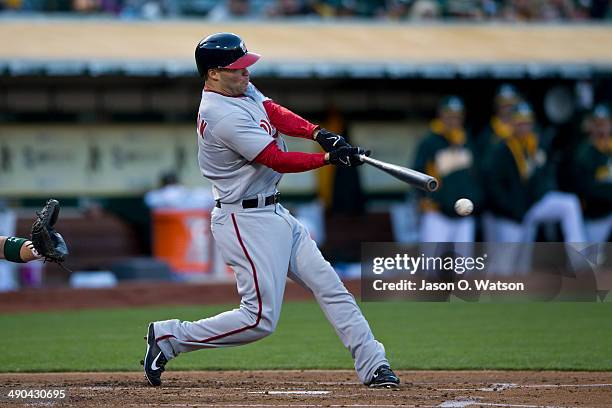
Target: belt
<point x="253" y="202"/>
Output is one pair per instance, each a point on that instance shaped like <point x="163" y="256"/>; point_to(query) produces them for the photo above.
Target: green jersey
<point x="592" y="178"/>
<point x="447" y="156"/>
<point x="518" y="174"/>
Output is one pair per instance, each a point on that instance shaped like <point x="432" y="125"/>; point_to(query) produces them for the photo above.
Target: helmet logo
<point x="242" y="46"/>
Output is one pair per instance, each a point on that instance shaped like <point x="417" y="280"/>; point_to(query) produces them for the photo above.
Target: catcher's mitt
<point x="47" y="242"/>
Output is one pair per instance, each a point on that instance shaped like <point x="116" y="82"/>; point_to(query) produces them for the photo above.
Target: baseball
<point x="464" y="206"/>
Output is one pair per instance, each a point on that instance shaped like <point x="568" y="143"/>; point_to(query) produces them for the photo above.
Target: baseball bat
<point x="412" y="177"/>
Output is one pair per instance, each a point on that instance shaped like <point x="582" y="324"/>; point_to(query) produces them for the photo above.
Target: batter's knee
<point x="263" y="325"/>
<point x="267" y="324"/>
<point x="257" y="332"/>
<point x="264" y="330"/>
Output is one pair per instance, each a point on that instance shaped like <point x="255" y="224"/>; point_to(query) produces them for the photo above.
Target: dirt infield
<point x="317" y="389"/>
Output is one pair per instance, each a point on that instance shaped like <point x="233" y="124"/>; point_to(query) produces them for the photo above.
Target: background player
<point x="445" y="154"/>
<point x="243" y="154"/>
<point x="499" y="128"/>
<point x="522" y="186"/>
<point x="592" y="175"/>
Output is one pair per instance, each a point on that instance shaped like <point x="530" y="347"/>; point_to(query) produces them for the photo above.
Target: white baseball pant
<point x="265" y="245"/>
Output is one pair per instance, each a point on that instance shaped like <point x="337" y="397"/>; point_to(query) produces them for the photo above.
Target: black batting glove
<point x="347" y="156"/>
<point x="330" y="141"/>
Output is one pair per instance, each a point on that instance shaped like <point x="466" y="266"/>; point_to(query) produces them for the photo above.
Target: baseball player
<point x="592" y="175"/>
<point x="445" y="154"/>
<point x="522" y="186"/>
<point x="241" y="151"/>
<point x="499" y="128"/>
<point x="46" y="243"/>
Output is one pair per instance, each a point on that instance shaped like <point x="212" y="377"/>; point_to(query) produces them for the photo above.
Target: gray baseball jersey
<point x="263" y="245"/>
<point x="232" y="131"/>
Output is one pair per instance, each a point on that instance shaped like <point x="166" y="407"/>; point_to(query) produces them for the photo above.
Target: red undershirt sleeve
<point x="287" y="122"/>
<point x="289" y="162"/>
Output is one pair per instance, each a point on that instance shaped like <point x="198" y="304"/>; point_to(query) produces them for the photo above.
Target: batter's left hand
<point x="330" y="141"/>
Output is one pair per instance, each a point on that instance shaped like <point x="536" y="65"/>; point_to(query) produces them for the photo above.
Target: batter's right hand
<point x="347" y="156"/>
<point x="330" y="141"/>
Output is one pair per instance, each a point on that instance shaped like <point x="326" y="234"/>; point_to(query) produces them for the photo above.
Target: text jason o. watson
<point x="477" y="284"/>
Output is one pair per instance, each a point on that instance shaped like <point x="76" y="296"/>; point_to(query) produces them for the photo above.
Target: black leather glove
<point x="347" y="156"/>
<point x="48" y="243"/>
<point x="330" y="141"/>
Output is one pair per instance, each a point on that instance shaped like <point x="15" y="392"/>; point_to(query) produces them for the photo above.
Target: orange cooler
<point x="182" y="238"/>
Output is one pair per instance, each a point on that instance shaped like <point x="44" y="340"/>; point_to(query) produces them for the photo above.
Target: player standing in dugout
<point x="447" y="154"/>
<point x="591" y="176"/>
<point x="242" y="153"/>
<point x="522" y="186"/>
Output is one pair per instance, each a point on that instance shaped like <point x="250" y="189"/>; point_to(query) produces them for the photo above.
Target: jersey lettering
<point x="201" y="126"/>
<point x="234" y="135"/>
<point x="265" y="125"/>
<point x="452" y="159"/>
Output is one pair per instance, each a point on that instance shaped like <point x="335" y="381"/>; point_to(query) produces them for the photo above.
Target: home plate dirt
<point x="313" y="389"/>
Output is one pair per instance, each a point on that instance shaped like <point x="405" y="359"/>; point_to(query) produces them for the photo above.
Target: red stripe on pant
<point x="259" y="303"/>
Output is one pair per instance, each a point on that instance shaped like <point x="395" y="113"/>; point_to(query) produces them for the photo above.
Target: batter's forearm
<point x="289" y="162"/>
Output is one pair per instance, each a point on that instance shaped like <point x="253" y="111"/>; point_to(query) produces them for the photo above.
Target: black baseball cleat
<point x="154" y="360"/>
<point x="384" y="377"/>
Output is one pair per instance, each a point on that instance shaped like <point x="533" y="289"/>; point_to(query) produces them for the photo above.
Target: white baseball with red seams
<point x="263" y="245"/>
<point x="464" y="206"/>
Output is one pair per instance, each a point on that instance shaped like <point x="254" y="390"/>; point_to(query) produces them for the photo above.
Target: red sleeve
<point x="289" y="162"/>
<point x="287" y="122"/>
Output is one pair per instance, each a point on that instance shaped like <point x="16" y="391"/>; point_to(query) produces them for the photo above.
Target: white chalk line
<point x="112" y="388"/>
<point x="298" y="392"/>
<point x="506" y="386"/>
<point x="458" y="403"/>
<point x="446" y="404"/>
<point x="470" y="402"/>
<point x="491" y="404"/>
<point x="563" y="385"/>
<point x="322" y="383"/>
<point x="292" y="405"/>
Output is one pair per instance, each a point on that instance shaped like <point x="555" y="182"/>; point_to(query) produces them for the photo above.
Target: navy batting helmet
<point x="223" y="50"/>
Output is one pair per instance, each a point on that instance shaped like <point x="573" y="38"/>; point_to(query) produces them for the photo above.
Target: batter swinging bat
<point x="412" y="177"/>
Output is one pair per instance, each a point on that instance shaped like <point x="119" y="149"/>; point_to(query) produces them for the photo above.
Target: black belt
<point x="253" y="202"/>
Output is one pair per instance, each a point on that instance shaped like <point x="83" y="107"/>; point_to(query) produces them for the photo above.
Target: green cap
<point x="522" y="111"/>
<point x="452" y="103"/>
<point x="507" y="93"/>
<point x="601" y="111"/>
